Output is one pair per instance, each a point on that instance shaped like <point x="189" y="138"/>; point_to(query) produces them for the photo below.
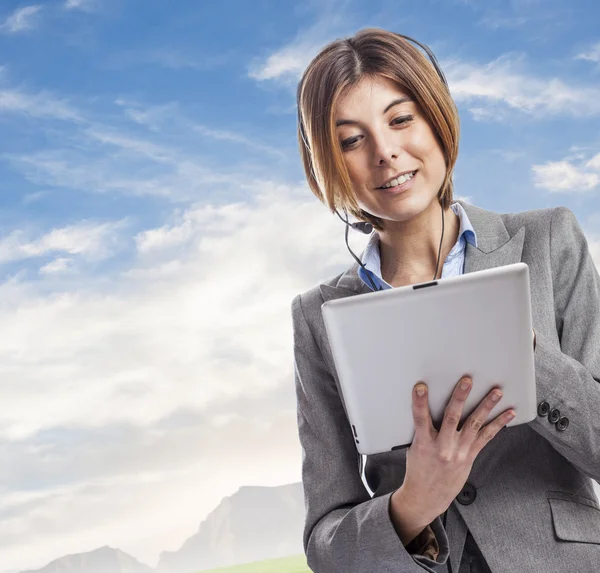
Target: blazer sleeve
<point x="345" y="529"/>
<point x="568" y="376"/>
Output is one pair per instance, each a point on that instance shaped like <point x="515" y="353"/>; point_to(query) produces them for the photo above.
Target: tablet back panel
<point x="384" y="342"/>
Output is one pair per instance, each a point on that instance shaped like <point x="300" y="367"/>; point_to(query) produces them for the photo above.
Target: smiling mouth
<point x="398" y="180"/>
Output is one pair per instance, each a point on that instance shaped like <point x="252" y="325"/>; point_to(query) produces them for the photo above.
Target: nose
<point x="385" y="149"/>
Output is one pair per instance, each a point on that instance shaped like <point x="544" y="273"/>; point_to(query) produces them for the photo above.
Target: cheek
<point x="421" y="143"/>
<point x="356" y="170"/>
<point x="427" y="149"/>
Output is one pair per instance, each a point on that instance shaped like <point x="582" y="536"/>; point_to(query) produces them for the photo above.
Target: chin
<point x="405" y="210"/>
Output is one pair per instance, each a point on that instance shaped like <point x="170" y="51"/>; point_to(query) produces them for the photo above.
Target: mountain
<point x="103" y="560"/>
<point x="253" y="524"/>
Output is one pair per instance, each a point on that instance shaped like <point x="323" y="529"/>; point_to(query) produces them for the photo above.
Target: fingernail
<point x="496" y="396"/>
<point x="511" y="415"/>
<point x="420" y="390"/>
<point x="464" y="384"/>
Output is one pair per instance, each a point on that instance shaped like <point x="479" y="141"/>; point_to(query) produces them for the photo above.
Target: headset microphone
<point x="365" y="228"/>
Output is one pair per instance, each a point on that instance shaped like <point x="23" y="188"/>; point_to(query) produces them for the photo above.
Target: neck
<point x="409" y="249"/>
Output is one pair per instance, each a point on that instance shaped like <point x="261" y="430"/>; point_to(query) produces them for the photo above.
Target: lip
<point x="396" y="177"/>
<point x="400" y="188"/>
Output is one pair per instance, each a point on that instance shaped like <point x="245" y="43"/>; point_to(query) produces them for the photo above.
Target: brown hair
<point x="371" y="52"/>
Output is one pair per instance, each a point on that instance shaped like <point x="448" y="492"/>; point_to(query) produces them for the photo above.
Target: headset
<point x="364" y="227"/>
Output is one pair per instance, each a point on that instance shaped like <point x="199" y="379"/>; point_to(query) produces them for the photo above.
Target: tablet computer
<point x="384" y="342"/>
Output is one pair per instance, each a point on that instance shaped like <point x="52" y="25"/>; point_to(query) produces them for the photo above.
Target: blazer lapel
<point x="349" y="284"/>
<point x="495" y="246"/>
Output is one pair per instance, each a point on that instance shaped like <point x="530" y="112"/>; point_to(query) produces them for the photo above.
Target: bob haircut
<point x="341" y="65"/>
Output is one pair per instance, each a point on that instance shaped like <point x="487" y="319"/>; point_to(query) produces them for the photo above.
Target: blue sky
<point x="155" y="225"/>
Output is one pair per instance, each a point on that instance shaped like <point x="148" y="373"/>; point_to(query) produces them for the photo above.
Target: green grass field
<point x="294" y="564"/>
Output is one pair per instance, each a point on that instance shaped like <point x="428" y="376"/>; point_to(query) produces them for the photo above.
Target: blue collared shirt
<point x="453" y="265"/>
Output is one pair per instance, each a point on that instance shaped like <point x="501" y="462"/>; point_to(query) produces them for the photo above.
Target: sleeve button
<point x="554" y="416"/>
<point x="543" y="409"/>
<point x="562" y="424"/>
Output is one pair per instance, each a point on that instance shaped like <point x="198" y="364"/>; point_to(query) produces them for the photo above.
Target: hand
<point x="438" y="463"/>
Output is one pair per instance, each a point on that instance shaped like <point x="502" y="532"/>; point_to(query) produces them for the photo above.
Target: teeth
<point x="399" y="180"/>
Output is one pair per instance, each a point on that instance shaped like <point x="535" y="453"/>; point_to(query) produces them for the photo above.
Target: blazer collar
<point x="495" y="248"/>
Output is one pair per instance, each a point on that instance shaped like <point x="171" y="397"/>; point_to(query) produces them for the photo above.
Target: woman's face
<point x="383" y="134"/>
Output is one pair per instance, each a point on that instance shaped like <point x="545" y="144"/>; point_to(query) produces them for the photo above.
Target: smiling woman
<point x="378" y="133"/>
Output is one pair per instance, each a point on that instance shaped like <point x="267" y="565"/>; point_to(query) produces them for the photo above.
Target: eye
<point x="402" y="120"/>
<point x="347" y="143"/>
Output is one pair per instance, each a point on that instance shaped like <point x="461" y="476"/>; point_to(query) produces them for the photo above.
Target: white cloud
<point x="165" y="237"/>
<point x="591" y="55"/>
<point x="594" y="163"/>
<point x="490" y="90"/>
<point x="83" y="156"/>
<point x="153" y="117"/>
<point x="200" y="323"/>
<point x="130" y="144"/>
<point x="91" y="240"/>
<point x="286" y="64"/>
<point x="161" y="172"/>
<point x="540" y="16"/>
<point x="565" y="176"/>
<point x="159" y="333"/>
<point x="56" y="266"/>
<point x="464" y="198"/>
<point x="84" y="5"/>
<point x="21" y="19"/>
<point x="225" y="135"/>
<point x="33" y="197"/>
<point x="164" y="117"/>
<point x="40" y="105"/>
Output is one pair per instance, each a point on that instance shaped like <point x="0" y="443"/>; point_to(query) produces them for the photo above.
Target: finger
<point x="424" y="429"/>
<point x="488" y="433"/>
<point x="474" y="423"/>
<point x="454" y="410"/>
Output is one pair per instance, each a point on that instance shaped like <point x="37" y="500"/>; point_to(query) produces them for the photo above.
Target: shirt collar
<point x="466" y="228"/>
<point x="371" y="258"/>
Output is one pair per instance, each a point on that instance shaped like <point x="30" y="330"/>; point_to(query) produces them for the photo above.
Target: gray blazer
<point x="534" y="506"/>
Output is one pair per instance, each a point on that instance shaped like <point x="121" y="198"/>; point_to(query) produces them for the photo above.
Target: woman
<point x="378" y="134"/>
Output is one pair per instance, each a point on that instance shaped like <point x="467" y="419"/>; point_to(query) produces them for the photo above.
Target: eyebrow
<point x="390" y="105"/>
